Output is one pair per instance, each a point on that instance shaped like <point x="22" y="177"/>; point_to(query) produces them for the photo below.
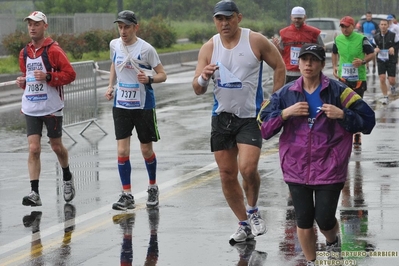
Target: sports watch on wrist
<point x="364" y="62"/>
<point x="48" y="77"/>
<point x="150" y="80"/>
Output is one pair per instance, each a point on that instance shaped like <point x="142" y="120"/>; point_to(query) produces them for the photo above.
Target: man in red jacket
<point x="45" y="69"/>
<point x="291" y="40"/>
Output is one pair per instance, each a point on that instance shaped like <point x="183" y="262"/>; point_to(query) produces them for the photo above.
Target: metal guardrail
<point x="81" y="106"/>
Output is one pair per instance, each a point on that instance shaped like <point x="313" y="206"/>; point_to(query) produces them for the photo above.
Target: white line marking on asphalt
<point x="93" y="214"/>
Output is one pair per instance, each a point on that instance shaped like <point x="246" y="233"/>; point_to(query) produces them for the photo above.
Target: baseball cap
<point x="37" y="16"/>
<point x="225" y="8"/>
<point x="314" y="49"/>
<point x="390" y="17"/>
<point x="298" y="12"/>
<point x="347" y="21"/>
<point x="126" y="16"/>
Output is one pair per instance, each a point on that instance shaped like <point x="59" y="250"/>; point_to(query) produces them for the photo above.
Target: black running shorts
<point x="228" y="130"/>
<point x="144" y="120"/>
<point x="34" y="125"/>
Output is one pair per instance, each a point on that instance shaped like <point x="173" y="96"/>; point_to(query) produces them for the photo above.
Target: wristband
<point x="202" y="82"/>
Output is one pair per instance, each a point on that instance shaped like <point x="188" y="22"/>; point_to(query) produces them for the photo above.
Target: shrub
<point x="75" y="45"/>
<point x="14" y="42"/>
<point x="157" y="33"/>
<point x="272" y="29"/>
<point x="201" y="35"/>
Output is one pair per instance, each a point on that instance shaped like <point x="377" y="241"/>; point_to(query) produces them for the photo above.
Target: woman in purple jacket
<point x="318" y="116"/>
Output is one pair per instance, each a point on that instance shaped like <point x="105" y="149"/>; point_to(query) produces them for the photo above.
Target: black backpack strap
<point x="44" y="56"/>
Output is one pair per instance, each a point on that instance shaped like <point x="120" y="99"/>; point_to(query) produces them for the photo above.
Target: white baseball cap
<point x="298" y="12"/>
<point x="37" y="16"/>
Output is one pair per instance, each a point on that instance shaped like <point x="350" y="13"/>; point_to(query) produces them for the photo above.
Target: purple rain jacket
<point x="318" y="155"/>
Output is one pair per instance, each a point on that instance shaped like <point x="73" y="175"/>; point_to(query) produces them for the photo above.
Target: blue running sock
<point x="151" y="164"/>
<point x="125" y="170"/>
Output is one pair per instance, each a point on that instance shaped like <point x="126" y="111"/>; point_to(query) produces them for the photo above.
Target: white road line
<point x="93" y="214"/>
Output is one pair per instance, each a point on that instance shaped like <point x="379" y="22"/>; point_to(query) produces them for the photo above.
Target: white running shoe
<point x="384" y="100"/>
<point x="258" y="225"/>
<point x="242" y="234"/>
<point x="33" y="199"/>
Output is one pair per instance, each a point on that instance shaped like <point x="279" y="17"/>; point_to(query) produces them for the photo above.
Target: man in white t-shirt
<point x="133" y="60"/>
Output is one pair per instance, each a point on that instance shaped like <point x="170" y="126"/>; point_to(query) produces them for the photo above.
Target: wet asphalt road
<point x="193" y="223"/>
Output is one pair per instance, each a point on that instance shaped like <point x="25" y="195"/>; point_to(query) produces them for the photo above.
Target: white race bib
<point x="383" y="55"/>
<point x="35" y="91"/>
<point x="128" y="95"/>
<point x="349" y="72"/>
<point x="294" y="54"/>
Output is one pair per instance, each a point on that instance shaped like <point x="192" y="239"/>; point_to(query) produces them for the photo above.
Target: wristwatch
<point x="48" y="77"/>
<point x="150" y="80"/>
<point x="364" y="62"/>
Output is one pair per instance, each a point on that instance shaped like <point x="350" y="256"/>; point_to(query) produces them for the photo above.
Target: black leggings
<point x="322" y="208"/>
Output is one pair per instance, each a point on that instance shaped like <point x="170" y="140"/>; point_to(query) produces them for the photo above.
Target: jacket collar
<point x="297" y="86"/>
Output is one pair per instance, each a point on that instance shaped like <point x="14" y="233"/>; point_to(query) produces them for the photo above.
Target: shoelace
<point x="123" y="198"/>
<point x="152" y="194"/>
<point x="33" y="195"/>
<point x="255" y="218"/>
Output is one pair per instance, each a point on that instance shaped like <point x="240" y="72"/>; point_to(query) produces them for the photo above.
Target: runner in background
<point x="369" y="27"/>
<point x="291" y="40"/>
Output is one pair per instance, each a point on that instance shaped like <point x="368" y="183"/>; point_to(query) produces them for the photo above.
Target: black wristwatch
<point x="364" y="62"/>
<point x="48" y="77"/>
<point x="150" y="80"/>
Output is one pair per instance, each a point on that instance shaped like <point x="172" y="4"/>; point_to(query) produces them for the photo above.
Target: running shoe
<point x="384" y="100"/>
<point x="393" y="90"/>
<point x="33" y="199"/>
<point x="153" y="196"/>
<point x="126" y="201"/>
<point x="258" y="225"/>
<point x="69" y="190"/>
<point x="334" y="249"/>
<point x="242" y="234"/>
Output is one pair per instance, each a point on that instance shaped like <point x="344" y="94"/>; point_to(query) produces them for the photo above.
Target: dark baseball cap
<point x="314" y="49"/>
<point x="225" y="8"/>
<point x="126" y="16"/>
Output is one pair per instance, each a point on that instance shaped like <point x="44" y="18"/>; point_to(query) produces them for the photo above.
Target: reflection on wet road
<point x="193" y="222"/>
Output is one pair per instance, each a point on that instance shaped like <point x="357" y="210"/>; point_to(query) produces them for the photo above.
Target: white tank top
<point x="39" y="99"/>
<point x="242" y="99"/>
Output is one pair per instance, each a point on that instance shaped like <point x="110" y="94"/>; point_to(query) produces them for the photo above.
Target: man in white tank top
<point x="233" y="59"/>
